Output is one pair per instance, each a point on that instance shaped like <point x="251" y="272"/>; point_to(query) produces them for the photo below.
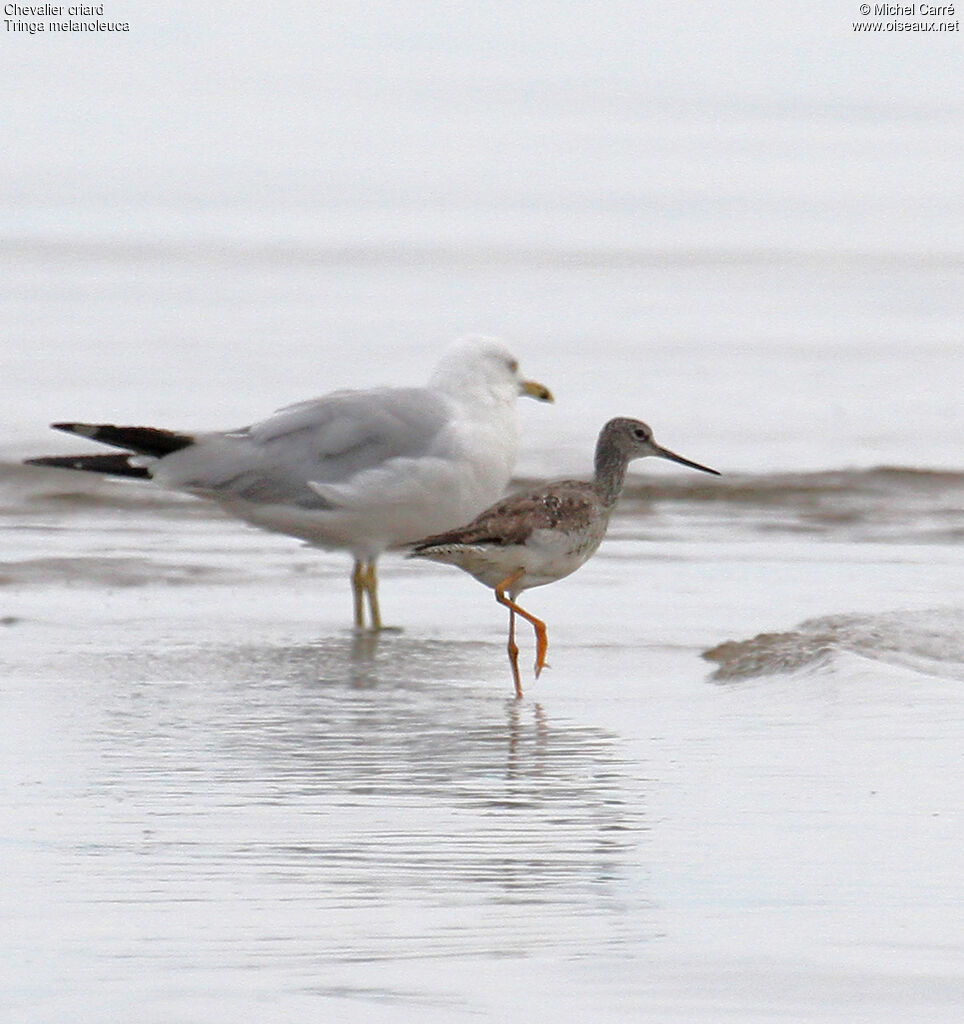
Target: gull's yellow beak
<point x="535" y="390"/>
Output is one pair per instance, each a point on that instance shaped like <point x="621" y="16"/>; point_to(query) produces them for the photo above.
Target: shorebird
<point x="362" y="471"/>
<point x="540" y="536"/>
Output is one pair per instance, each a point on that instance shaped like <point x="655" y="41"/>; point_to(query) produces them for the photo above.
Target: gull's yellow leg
<point x="371" y="589"/>
<point x="357" y="589"/>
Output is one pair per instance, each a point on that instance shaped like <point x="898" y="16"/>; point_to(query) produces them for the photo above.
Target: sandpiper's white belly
<point x="547" y="556"/>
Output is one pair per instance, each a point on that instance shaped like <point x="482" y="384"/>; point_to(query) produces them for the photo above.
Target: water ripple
<point x="349" y="780"/>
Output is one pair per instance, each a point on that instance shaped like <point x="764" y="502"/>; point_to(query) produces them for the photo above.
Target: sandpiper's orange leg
<point x="542" y="640"/>
<point x="514" y="655"/>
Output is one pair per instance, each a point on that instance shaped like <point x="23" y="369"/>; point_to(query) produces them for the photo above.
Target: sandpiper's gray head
<point x="635" y="439"/>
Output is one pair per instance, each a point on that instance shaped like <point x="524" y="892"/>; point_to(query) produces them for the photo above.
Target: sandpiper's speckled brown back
<point x="568" y="506"/>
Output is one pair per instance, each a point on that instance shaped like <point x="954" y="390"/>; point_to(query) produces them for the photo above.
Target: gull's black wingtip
<point x="111" y="465"/>
<point x="143" y="440"/>
<point x="83" y="429"/>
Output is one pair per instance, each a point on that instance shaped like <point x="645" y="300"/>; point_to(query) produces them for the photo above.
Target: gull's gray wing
<point x="294" y="455"/>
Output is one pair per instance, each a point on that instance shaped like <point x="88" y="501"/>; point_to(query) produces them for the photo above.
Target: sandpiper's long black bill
<point x="665" y="453"/>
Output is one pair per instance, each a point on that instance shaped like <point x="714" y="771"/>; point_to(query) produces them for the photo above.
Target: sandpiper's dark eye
<point x="513" y="365"/>
<point x="639" y="434"/>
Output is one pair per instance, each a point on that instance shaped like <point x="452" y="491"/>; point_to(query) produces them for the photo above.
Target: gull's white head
<point x="484" y="368"/>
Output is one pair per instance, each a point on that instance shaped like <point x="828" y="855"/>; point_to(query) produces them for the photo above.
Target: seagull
<point x="361" y="471"/>
<point x="540" y="536"/>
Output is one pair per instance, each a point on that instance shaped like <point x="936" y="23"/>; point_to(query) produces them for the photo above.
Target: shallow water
<point x="735" y="795"/>
<point x="217" y="795"/>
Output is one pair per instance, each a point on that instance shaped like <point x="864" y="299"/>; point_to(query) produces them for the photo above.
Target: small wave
<point x="38" y="490"/>
<point x="779" y="489"/>
<point x="231" y="242"/>
<point x="929" y="641"/>
<point x="107" y="571"/>
<point x="882" y="504"/>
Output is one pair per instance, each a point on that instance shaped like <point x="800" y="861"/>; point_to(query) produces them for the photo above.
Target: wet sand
<point x="217" y="796"/>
